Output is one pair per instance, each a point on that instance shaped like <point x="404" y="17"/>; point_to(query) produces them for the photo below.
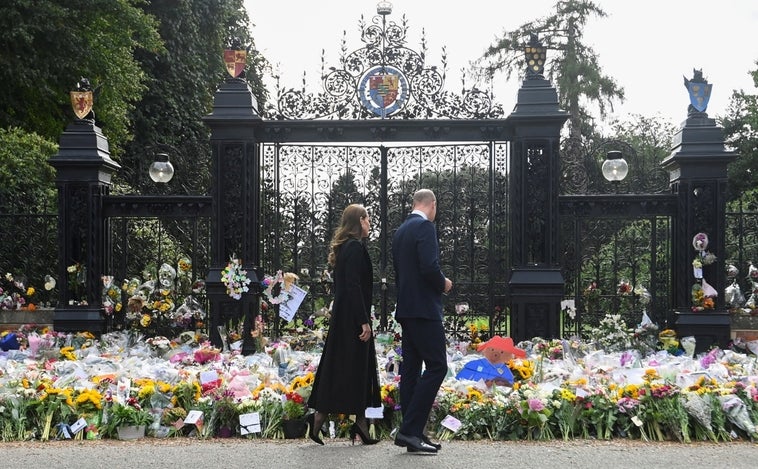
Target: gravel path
<point x="186" y="453"/>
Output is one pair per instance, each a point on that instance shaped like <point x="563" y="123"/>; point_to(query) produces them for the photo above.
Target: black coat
<point x="418" y="277"/>
<point x="347" y="380"/>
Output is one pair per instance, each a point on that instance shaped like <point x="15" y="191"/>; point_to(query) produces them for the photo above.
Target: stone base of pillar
<point x="536" y="295"/>
<point x="79" y="319"/>
<point x="709" y="328"/>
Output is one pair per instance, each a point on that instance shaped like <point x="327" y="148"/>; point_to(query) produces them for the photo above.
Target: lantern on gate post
<point x="615" y="167"/>
<point x="161" y="170"/>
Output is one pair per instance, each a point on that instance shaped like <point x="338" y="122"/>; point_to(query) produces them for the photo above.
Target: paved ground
<point x="186" y="453"/>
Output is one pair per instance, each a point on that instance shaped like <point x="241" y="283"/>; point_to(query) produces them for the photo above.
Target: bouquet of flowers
<point x="293" y="406"/>
<point x="111" y="296"/>
<point x="15" y="294"/>
<point x="612" y="334"/>
<point x="275" y="288"/>
<point x="737" y="413"/>
<point x="699" y="409"/>
<point x="702" y="292"/>
<point x="235" y="278"/>
<point x="591" y="296"/>
<point x="77" y="281"/>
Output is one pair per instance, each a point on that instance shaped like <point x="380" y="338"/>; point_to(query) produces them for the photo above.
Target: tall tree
<point x="181" y="82"/>
<point x="46" y="46"/>
<point x="575" y="70"/>
<point x="741" y="132"/>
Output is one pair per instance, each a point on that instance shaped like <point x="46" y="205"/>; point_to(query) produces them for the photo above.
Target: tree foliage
<point x="155" y="66"/>
<point x="575" y="70"/>
<point x="741" y="132"/>
<point x="27" y="182"/>
<point x="46" y="46"/>
<point x="181" y="82"/>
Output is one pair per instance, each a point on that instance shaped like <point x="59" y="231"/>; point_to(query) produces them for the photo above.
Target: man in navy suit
<point x="420" y="284"/>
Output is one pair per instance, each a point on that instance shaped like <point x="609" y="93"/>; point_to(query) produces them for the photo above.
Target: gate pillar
<point x="235" y="189"/>
<point x="83" y="177"/>
<point x="697" y="169"/>
<point x="536" y="284"/>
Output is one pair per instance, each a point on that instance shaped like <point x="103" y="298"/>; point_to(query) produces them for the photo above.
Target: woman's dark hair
<point x="350" y="228"/>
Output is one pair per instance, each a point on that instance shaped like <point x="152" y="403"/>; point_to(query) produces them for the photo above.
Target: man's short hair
<point x="423" y="197"/>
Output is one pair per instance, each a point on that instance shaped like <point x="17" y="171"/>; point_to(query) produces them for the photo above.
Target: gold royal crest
<point x="81" y="101"/>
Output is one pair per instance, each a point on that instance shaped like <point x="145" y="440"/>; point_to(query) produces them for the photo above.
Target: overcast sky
<point x="647" y="46"/>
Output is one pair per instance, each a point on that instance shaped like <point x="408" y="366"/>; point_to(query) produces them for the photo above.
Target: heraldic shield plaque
<point x="383" y="90"/>
<point x="235" y="61"/>
<point x="81" y="102"/>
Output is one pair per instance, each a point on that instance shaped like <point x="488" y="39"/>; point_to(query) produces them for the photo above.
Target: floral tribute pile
<point x="76" y="386"/>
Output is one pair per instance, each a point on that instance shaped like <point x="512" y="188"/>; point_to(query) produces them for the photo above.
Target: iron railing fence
<point x="473" y="231"/>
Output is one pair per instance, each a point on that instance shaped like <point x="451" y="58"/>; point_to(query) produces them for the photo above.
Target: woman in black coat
<point x="346" y="381"/>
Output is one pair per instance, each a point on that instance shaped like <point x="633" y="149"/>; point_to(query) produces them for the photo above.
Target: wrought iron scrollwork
<point x="383" y="79"/>
<point x="581" y="174"/>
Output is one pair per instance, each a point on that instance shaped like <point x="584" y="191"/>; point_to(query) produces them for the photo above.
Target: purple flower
<point x="626" y="358"/>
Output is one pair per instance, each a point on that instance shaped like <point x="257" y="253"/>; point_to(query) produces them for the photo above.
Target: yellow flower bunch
<point x="389" y="394"/>
<point x="522" y="369"/>
<point x="579" y="382"/>
<point x="89" y="400"/>
<point x="388" y="389"/>
<point x="475" y="328"/>
<point x="704" y="385"/>
<point x="631" y="391"/>
<point x="275" y="387"/>
<point x="301" y="382"/>
<point x="186" y="394"/>
<point x="51" y="393"/>
<point x="67" y="353"/>
<point x="185" y="265"/>
<point x="651" y="374"/>
<point x="146" y="388"/>
<point x="473" y="394"/>
<point x="567" y="395"/>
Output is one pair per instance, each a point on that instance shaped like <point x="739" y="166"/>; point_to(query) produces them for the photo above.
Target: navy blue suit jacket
<point x="418" y="277"/>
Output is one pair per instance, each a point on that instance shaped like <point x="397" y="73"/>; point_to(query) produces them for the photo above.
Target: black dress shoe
<point x="414" y="444"/>
<point x="426" y="440"/>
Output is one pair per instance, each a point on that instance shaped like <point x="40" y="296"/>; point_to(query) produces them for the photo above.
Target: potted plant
<point x="225" y="417"/>
<point x="293" y="415"/>
<point x="128" y="420"/>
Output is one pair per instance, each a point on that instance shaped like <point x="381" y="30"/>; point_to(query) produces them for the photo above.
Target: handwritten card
<point x="250" y="423"/>
<point x="374" y="412"/>
<point x="288" y="308"/>
<point x="208" y="376"/>
<point x="78" y="426"/>
<point x="194" y="417"/>
<point x="451" y="423"/>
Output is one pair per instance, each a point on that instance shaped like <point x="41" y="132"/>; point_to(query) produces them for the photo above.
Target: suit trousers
<point x="423" y="343"/>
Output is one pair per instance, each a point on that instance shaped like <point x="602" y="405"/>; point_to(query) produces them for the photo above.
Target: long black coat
<point x="347" y="380"/>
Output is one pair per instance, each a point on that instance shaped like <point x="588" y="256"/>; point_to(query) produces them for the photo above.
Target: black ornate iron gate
<point x="305" y="188"/>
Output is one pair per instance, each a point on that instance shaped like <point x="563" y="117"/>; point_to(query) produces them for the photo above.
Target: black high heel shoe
<point x="356" y="430"/>
<point x="314" y="432"/>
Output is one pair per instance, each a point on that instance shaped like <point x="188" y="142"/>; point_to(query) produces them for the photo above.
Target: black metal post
<point x="698" y="175"/>
<point x="84" y="169"/>
<point x="536" y="283"/>
<point x="236" y="201"/>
